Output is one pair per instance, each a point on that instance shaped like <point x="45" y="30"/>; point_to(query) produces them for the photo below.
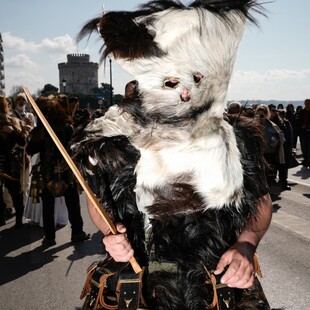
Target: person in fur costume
<point x="167" y="165"/>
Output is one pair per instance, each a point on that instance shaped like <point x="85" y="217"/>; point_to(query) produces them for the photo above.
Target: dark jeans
<point x="283" y="174"/>
<point x="15" y="191"/>
<point x="72" y="200"/>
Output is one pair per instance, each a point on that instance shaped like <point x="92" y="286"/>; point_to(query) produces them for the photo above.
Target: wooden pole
<point x="91" y="196"/>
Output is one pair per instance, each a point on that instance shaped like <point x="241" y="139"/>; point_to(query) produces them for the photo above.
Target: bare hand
<point x="118" y="245"/>
<point x="240" y="273"/>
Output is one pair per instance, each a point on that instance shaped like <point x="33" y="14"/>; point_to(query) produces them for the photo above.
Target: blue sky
<point x="273" y="61"/>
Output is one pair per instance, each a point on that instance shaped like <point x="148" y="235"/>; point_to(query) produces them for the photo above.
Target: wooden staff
<point x="91" y="196"/>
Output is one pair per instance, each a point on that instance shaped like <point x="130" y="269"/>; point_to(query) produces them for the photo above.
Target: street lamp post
<point x="111" y="88"/>
<point x="64" y="84"/>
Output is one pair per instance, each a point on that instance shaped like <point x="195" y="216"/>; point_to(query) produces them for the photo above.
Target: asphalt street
<point x="38" y="278"/>
<point x="284" y="250"/>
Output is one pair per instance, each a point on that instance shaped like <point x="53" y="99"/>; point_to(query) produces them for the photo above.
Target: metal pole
<point x="111" y="88"/>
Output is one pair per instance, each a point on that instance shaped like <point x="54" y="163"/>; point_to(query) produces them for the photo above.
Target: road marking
<point x="293" y="223"/>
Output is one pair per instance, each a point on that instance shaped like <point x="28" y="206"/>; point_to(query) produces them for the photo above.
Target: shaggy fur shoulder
<point x="107" y="164"/>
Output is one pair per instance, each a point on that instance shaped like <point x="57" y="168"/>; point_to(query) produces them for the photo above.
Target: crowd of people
<point x="282" y="127"/>
<point x="31" y="165"/>
<point x="33" y="172"/>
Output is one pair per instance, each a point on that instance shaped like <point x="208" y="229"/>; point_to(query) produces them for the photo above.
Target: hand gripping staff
<point x="91" y="196"/>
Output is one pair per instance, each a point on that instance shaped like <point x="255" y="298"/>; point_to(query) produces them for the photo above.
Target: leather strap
<point x="223" y="296"/>
<point x="129" y="287"/>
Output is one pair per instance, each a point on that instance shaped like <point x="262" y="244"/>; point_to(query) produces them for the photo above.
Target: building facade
<point x="78" y="75"/>
<point x="2" y="83"/>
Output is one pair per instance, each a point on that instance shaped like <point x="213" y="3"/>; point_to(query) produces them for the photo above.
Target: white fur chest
<point x="209" y="163"/>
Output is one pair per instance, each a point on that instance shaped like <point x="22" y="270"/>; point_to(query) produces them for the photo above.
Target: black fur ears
<point x="123" y="37"/>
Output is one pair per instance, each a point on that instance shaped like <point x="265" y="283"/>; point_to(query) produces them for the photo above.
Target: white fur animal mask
<point x="181" y="56"/>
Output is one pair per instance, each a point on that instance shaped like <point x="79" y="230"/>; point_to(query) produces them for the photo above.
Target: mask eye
<point x="197" y="77"/>
<point x="170" y="83"/>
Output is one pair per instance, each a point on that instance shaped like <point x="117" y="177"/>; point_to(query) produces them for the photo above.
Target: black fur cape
<point x="194" y="241"/>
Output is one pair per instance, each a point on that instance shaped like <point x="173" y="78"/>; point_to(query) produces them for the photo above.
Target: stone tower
<point x="2" y="84"/>
<point x="80" y="74"/>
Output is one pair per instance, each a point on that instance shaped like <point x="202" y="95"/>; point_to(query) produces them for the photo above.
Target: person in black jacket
<point x="287" y="130"/>
<point x="57" y="178"/>
<point x="305" y="133"/>
<point x="11" y="134"/>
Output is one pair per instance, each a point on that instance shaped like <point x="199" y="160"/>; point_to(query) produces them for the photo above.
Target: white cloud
<point x="61" y="45"/>
<point x="15" y="43"/>
<point x="64" y="44"/>
<point x="20" y="61"/>
<point x="34" y="64"/>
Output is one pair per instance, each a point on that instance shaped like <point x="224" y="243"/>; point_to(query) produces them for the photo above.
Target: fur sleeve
<point x="101" y="160"/>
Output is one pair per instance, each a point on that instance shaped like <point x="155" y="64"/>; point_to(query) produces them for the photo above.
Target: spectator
<point x="234" y="107"/>
<point x="73" y="105"/>
<point x="57" y="180"/>
<point x="274" y="152"/>
<point x="11" y="133"/>
<point x="287" y="130"/>
<point x="6" y="195"/>
<point x="305" y="133"/>
<point x="28" y="121"/>
<point x="21" y="113"/>
<point x="297" y="125"/>
<point x="273" y="111"/>
<point x="290" y="111"/>
<point x="81" y="118"/>
<point x="249" y="111"/>
<point x="298" y="109"/>
<point x="286" y="138"/>
<point x="280" y="106"/>
<point x="290" y="115"/>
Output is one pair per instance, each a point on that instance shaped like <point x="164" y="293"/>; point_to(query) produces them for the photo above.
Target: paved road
<point x="32" y="277"/>
<point x="284" y="251"/>
<point x="36" y="278"/>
